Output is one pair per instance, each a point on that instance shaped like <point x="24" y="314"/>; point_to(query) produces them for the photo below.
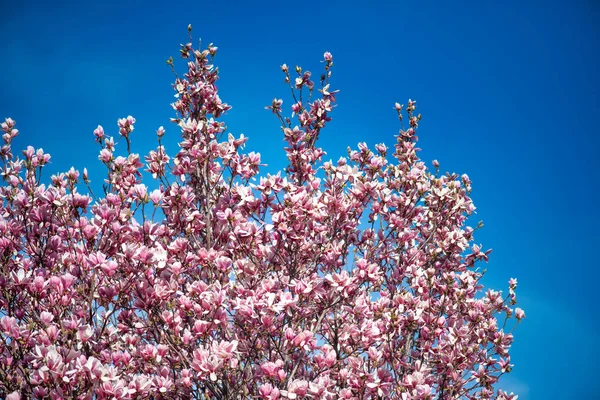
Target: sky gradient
<point x="508" y="93"/>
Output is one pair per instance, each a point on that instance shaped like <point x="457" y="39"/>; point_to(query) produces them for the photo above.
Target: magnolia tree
<point x="347" y="279"/>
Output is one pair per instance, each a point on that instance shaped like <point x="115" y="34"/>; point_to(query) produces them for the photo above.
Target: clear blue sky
<point x="508" y="92"/>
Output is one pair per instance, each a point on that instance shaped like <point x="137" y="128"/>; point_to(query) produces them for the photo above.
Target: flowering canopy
<point x="351" y="279"/>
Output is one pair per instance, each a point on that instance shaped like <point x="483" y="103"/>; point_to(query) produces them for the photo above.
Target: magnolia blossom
<point x="194" y="276"/>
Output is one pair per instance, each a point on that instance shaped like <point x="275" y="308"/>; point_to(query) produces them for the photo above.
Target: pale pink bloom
<point x="224" y="349"/>
<point x="105" y="155"/>
<point x="109" y="267"/>
<point x="140" y="191"/>
<point x="46" y="317"/>
<point x="14" y="396"/>
<point x="156" y="196"/>
<point x="270" y="369"/>
<point x="295" y="389"/>
<point x="99" y="133"/>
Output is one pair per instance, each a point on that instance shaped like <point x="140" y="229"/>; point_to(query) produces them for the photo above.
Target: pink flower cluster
<point x="347" y="279"/>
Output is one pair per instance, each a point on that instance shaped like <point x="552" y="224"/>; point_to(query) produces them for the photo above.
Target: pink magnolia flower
<point x="14" y="396"/>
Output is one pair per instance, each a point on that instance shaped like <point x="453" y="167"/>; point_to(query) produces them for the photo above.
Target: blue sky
<point x="508" y="93"/>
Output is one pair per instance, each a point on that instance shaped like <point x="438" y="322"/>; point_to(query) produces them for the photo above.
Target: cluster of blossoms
<point x="351" y="279"/>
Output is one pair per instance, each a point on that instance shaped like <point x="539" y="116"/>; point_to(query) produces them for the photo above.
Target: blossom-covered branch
<point x="348" y="279"/>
